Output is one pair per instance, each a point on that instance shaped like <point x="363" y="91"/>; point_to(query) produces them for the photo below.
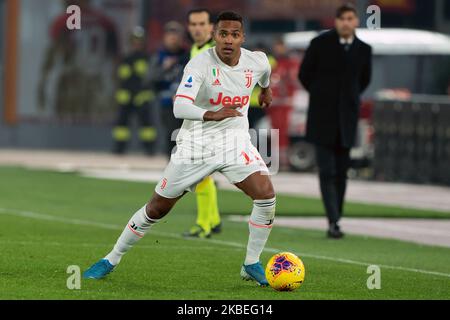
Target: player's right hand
<point x="224" y="113"/>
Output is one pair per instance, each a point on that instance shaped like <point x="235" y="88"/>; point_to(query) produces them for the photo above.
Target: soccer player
<point x="213" y="99"/>
<point x="208" y="219"/>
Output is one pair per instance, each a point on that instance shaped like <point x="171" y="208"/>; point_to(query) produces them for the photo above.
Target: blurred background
<point x="85" y="126"/>
<point x="60" y="89"/>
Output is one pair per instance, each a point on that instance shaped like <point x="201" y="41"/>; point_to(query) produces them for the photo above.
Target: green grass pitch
<point x="52" y="220"/>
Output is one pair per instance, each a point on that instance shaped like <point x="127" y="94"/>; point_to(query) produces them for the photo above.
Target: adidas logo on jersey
<point x="216" y="83"/>
<point x="228" y="101"/>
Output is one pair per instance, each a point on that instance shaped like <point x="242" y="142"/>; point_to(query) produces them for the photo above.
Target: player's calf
<point x="135" y="230"/>
<point x="257" y="186"/>
<point x="139" y="224"/>
<point x="260" y="225"/>
<point x="137" y="227"/>
<point x="159" y="206"/>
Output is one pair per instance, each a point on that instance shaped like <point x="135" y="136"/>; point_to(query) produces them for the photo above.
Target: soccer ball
<point x="285" y="272"/>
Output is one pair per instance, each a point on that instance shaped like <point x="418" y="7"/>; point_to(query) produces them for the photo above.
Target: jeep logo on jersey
<point x="228" y="101"/>
<point x="188" y="83"/>
<point x="248" y="78"/>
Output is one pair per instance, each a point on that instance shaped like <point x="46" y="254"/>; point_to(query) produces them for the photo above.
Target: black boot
<point x="217" y="229"/>
<point x="334" y="231"/>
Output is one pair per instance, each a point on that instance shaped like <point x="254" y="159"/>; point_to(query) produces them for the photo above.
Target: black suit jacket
<point x="335" y="80"/>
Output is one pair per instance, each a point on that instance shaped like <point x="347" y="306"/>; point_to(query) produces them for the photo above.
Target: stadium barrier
<point x="412" y="139"/>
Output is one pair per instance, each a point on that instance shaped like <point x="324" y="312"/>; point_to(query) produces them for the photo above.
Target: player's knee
<point x="266" y="192"/>
<point x="268" y="195"/>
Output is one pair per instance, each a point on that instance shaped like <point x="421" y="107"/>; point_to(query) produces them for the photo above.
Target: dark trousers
<point x="122" y="134"/>
<point x="333" y="163"/>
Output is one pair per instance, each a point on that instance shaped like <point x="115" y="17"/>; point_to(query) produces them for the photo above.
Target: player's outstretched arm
<point x="222" y="114"/>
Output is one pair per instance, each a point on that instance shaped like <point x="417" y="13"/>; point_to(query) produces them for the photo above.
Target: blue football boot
<point x="254" y="272"/>
<point x="99" y="270"/>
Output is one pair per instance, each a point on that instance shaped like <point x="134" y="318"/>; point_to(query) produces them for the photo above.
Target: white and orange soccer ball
<point x="285" y="272"/>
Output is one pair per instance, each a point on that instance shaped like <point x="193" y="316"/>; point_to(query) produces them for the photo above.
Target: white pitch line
<point x="40" y="216"/>
<point x="102" y="245"/>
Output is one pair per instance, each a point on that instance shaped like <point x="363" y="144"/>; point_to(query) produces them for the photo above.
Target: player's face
<point x="229" y="37"/>
<point x="346" y="24"/>
<point x="200" y="27"/>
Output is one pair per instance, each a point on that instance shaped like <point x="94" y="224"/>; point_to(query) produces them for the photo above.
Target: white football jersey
<point x="211" y="85"/>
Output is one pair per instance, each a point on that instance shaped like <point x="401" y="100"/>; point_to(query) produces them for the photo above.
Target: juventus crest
<point x="248" y="78"/>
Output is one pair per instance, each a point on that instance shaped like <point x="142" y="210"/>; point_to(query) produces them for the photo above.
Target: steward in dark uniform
<point x="134" y="97"/>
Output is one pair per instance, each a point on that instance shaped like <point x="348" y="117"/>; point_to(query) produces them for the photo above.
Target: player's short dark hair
<point x="229" y="16"/>
<point x="199" y="10"/>
<point x="347" y="7"/>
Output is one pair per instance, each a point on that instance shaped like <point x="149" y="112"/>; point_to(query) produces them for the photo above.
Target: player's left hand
<point x="265" y="98"/>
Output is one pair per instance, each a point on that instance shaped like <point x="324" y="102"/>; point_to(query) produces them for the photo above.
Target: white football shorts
<point x="184" y="171"/>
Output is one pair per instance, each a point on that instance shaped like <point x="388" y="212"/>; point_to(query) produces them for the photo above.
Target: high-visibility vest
<point x="131" y="74"/>
<point x="254" y="99"/>
<point x="195" y="50"/>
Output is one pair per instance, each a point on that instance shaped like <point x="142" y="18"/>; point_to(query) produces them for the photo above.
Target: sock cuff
<point x="265" y="202"/>
<point x="146" y="218"/>
<point x="263" y="213"/>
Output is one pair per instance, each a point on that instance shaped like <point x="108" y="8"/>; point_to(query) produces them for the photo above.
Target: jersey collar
<point x="223" y="64"/>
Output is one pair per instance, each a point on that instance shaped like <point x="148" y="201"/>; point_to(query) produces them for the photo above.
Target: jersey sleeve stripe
<point x="183" y="96"/>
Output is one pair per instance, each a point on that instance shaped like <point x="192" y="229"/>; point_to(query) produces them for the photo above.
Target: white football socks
<point x="136" y="228"/>
<point x="260" y="225"/>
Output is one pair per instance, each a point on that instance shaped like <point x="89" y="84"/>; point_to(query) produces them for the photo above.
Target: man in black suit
<point x="336" y="69"/>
